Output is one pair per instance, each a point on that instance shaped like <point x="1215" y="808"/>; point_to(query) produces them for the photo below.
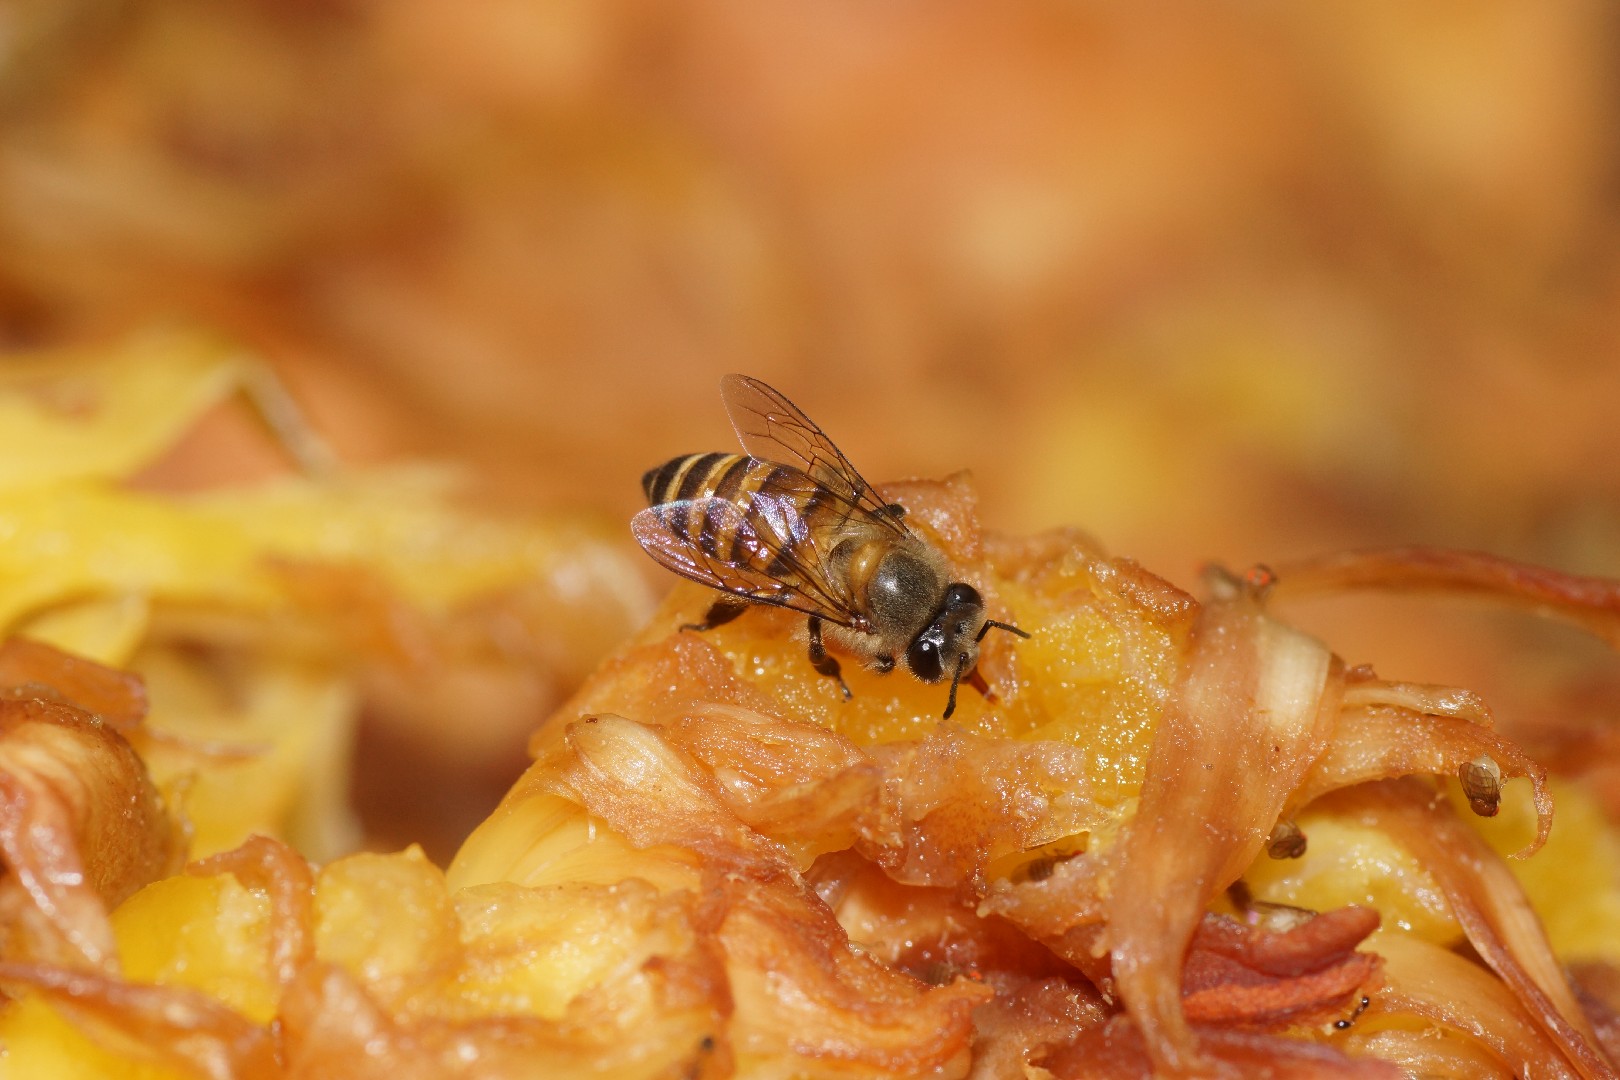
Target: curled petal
<point x="668" y="678"/>
<point x="1590" y="602"/>
<point x="796" y="782"/>
<point x="1428" y="698"/>
<point x="81" y="829"/>
<point x="30" y="669"/>
<point x="926" y="932"/>
<point x="1378" y="742"/>
<point x="934" y="811"/>
<point x="1065" y="894"/>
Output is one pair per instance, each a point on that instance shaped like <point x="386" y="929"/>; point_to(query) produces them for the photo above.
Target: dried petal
<point x="1488" y="903"/>
<point x="1265" y="980"/>
<point x="1251" y="715"/>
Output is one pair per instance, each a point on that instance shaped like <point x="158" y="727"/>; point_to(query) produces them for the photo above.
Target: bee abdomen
<point x="739" y="481"/>
<point x="698" y="476"/>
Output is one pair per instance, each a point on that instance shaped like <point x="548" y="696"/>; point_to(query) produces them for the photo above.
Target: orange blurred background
<point x="1242" y="281"/>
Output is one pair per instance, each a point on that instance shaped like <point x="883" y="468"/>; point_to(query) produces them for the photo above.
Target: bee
<point x="792" y="524"/>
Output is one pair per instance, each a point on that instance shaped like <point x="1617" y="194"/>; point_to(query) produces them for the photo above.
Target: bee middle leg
<point x="720" y="612"/>
<point x="821" y="661"/>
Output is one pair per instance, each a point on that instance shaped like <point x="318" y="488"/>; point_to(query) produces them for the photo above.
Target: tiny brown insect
<point x="791" y="523"/>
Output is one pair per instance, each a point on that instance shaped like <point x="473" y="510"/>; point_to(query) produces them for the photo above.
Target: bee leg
<point x="720" y="613"/>
<point x="823" y="663"/>
<point x="895" y="510"/>
<point x="882" y="664"/>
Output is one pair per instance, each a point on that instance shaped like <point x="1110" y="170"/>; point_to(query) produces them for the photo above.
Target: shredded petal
<point x="800" y="990"/>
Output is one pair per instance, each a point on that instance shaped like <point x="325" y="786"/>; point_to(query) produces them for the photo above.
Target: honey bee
<point x="791" y="523"/>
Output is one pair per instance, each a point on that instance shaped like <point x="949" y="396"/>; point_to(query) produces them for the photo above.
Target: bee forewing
<point x="713" y="542"/>
<point x="772" y="428"/>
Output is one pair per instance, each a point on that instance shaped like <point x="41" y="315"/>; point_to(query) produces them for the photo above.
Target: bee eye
<point x="961" y="595"/>
<point x="923" y="660"/>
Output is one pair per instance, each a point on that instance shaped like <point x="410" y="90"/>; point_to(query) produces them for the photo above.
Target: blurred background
<point x="1242" y="282"/>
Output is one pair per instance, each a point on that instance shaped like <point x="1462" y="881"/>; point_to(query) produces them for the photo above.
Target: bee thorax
<point x="902" y="589"/>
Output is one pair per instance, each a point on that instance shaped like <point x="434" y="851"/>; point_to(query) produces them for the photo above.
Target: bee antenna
<point x="1009" y="627"/>
<point x="950" y="702"/>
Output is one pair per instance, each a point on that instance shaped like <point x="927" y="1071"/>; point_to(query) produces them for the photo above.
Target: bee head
<point x="949" y="643"/>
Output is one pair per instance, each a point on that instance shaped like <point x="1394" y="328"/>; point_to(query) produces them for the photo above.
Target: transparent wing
<point x="772" y="428"/>
<point x="729" y="549"/>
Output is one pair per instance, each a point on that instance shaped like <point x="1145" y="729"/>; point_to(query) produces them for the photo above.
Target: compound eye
<point x="961" y="595"/>
<point x="923" y="660"/>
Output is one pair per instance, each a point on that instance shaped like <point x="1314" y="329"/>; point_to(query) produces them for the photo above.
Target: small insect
<point x="793" y="524"/>
<point x="1345" y="1024"/>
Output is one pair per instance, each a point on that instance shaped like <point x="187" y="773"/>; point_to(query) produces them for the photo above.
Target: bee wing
<point x="772" y="428"/>
<point x="793" y="580"/>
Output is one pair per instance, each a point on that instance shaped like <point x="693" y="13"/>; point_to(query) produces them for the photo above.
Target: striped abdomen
<point x="702" y="476"/>
<point x="747" y="483"/>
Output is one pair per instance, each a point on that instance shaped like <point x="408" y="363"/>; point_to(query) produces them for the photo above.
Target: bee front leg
<point x="720" y="613"/>
<point x="823" y="663"/>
